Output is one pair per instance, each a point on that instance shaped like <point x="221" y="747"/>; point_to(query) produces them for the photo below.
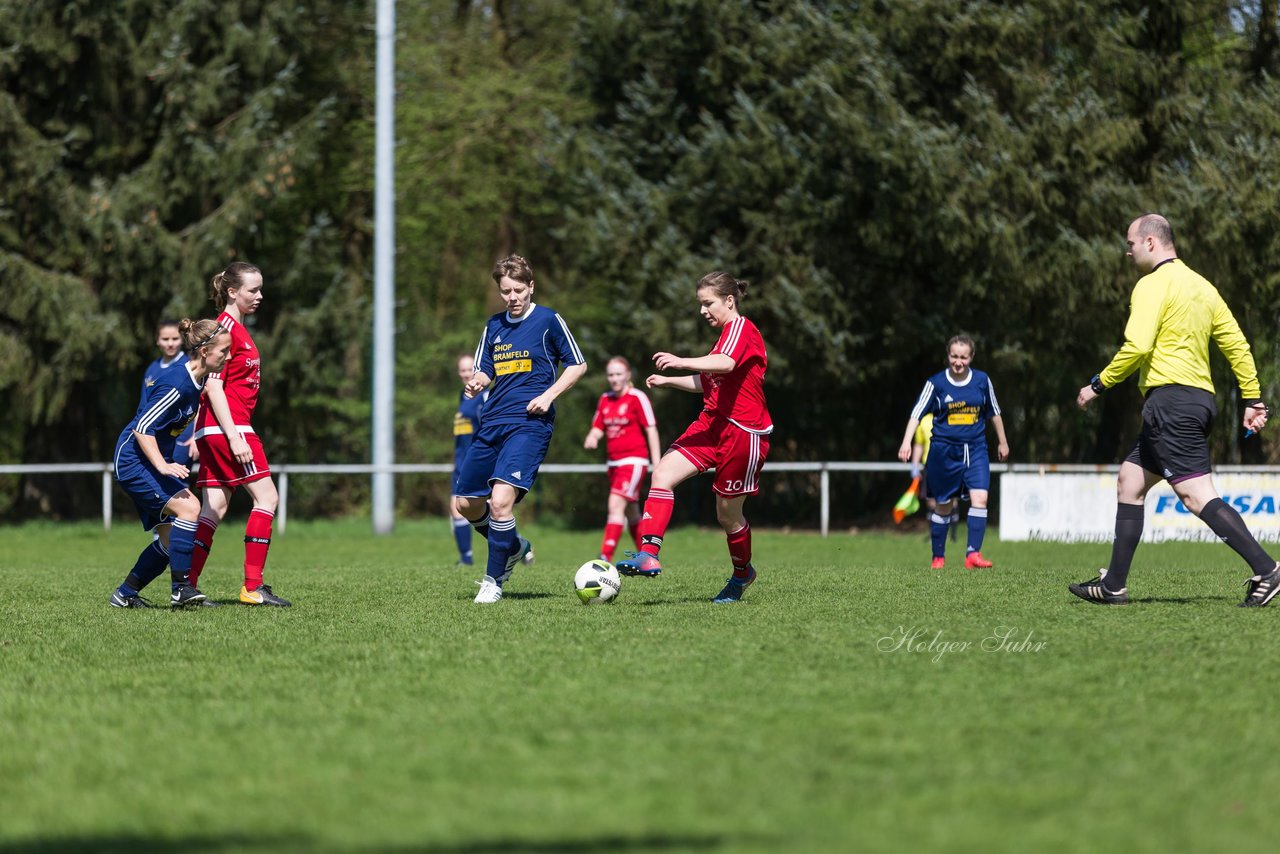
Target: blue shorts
<point x="504" y="453"/>
<point x="953" y="468"/>
<point x="149" y="489"/>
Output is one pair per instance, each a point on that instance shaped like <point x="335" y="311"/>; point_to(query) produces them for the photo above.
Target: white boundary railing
<point x="823" y="469"/>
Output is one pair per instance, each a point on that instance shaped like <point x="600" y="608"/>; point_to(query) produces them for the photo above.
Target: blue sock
<point x="482" y="524"/>
<point x="977" y="527"/>
<point x="503" y="540"/>
<point x="462" y="534"/>
<point x="182" y="542"/>
<point x="938" y="533"/>
<point x="150" y="564"/>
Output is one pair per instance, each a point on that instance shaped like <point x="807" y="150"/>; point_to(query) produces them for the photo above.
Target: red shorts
<point x="626" y="479"/>
<point x="219" y="468"/>
<point x="736" y="454"/>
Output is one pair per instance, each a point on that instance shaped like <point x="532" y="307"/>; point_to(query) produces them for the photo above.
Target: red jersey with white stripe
<point x="241" y="376"/>
<point x="624" y="418"/>
<point x="739" y="395"/>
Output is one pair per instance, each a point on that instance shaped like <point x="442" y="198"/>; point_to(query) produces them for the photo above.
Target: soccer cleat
<point x="735" y="587"/>
<point x="1262" y="589"/>
<point x="938" y="563"/>
<point x="524" y="549"/>
<point x="490" y="591"/>
<point x="262" y="596"/>
<point x="185" y="595"/>
<point x="119" y="600"/>
<point x="1096" y="592"/>
<point x="639" y="563"/>
<point x="975" y="560"/>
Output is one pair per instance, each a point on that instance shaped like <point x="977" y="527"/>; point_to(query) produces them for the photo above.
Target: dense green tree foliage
<point x="886" y="175"/>
<point x="142" y="147"/>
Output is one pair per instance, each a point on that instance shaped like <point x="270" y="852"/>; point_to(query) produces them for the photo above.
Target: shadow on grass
<point x="1178" y="600"/>
<point x="235" y="842"/>
<point x="151" y="845"/>
<point x="656" y="842"/>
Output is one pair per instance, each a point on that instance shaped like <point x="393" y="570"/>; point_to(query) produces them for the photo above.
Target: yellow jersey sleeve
<point x="1139" y="333"/>
<point x="1233" y="344"/>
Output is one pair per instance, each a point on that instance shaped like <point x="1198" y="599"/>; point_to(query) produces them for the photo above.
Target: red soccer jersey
<point x="739" y="394"/>
<point x="241" y="376"/>
<point x="623" y="418"/>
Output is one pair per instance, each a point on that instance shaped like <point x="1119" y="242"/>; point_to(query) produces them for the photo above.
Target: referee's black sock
<point x="1129" y="518"/>
<point x="1227" y="524"/>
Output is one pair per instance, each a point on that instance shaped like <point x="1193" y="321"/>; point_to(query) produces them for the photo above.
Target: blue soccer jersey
<point x="960" y="410"/>
<point x="153" y="371"/>
<point x="165" y="411"/>
<point x="523" y="357"/>
<point x="181" y="454"/>
<point x="466" y="421"/>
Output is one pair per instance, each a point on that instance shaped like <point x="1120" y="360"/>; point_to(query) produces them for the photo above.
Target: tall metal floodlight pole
<point x="384" y="274"/>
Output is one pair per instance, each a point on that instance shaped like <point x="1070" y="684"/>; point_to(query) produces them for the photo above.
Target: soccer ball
<point x="597" y="581"/>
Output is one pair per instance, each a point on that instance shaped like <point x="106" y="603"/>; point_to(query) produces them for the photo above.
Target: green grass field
<point x="385" y="711"/>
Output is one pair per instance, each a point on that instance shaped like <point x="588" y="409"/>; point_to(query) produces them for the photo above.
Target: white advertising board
<point x="1082" y="507"/>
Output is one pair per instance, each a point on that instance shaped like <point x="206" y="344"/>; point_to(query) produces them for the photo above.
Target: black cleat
<point x="1262" y="589"/>
<point x="1096" y="592"/>
<point x="185" y="595"/>
<point x="119" y="600"/>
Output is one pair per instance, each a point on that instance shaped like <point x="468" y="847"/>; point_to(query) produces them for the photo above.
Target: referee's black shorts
<point x="1174" y="442"/>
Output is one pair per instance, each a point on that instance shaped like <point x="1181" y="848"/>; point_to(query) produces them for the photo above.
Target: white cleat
<point x="490" y="591"/>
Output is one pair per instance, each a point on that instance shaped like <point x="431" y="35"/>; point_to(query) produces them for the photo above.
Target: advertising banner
<point x="1082" y="507"/>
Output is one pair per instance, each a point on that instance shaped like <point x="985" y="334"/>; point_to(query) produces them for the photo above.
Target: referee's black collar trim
<point x="1165" y="261"/>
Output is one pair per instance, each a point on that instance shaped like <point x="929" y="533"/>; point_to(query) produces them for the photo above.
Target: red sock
<point x="257" y="539"/>
<point x="657" y="515"/>
<point x="740" y="551"/>
<point x="612" y="531"/>
<point x="204" y="541"/>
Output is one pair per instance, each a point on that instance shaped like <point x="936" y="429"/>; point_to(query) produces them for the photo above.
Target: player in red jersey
<point x="231" y="453"/>
<point x="624" y="419"/>
<point x="731" y="434"/>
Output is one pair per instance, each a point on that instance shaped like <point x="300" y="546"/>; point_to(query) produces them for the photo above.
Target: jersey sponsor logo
<point x="462" y="425"/>
<point x="515" y="366"/>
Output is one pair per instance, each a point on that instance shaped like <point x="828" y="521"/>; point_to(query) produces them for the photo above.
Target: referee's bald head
<point x="1154" y="225"/>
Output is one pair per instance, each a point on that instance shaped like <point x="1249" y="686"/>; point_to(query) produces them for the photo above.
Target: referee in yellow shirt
<point x="1172" y="315"/>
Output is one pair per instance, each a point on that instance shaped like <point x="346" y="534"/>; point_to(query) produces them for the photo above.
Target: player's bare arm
<point x="479" y="382"/>
<point x="151" y="450"/>
<point x="690" y="383"/>
<point x="904" y="450"/>
<point x="217" y="397"/>
<point x="1002" y="449"/>
<point x="541" y="404"/>
<point x="715" y="363"/>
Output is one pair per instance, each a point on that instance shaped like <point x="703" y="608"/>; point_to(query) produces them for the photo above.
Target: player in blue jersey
<point x="145" y="468"/>
<point x="962" y="400"/>
<point x="169" y="340"/>
<point x="466" y="421"/>
<point x="517" y="361"/>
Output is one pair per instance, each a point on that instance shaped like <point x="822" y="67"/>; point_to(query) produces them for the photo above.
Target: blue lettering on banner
<point x="1248" y="504"/>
